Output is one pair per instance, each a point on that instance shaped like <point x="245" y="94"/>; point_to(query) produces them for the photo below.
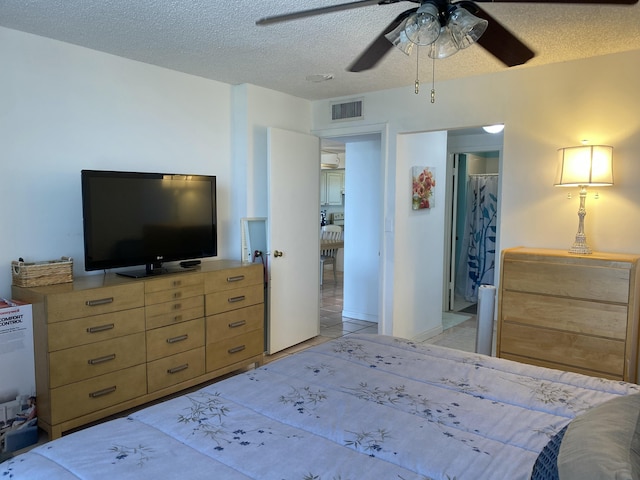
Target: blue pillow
<point x="546" y="466"/>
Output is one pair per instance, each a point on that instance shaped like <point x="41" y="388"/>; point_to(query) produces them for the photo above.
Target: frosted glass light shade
<point x="589" y="165"/>
<point x="399" y="38"/>
<point x="444" y="46"/>
<point x="423" y="27"/>
<point x="465" y="27"/>
<point x="497" y="128"/>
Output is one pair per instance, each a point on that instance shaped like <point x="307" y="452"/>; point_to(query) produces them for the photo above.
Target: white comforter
<point x="359" y="407"/>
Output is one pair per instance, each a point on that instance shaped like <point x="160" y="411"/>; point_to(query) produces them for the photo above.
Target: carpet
<point x="450" y="319"/>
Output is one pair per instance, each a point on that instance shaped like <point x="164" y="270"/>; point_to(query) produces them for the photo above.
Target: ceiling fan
<point x="442" y="25"/>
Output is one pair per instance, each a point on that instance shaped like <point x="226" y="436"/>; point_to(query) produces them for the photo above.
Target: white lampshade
<point x="588" y="165"/>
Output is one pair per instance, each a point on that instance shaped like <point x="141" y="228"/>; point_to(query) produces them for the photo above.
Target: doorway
<point x="472" y="253"/>
<point x="476" y="220"/>
<point x="362" y="223"/>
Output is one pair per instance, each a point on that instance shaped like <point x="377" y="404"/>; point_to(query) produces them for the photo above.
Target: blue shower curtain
<point x="477" y="263"/>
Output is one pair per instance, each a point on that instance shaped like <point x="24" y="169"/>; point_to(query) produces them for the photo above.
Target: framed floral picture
<point x="423" y="187"/>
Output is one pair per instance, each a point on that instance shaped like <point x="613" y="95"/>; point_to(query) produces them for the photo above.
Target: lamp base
<point x="580" y="246"/>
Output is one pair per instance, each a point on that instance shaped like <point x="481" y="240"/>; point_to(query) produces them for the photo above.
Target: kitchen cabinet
<point x="331" y="187"/>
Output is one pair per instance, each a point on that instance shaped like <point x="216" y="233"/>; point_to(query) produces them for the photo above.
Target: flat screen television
<point x="133" y="219"/>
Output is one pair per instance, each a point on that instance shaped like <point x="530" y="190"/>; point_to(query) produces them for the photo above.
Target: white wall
<point x="66" y="108"/>
<point x="543" y="108"/>
<point x="255" y="109"/>
<point x="363" y="211"/>
<point x="418" y="271"/>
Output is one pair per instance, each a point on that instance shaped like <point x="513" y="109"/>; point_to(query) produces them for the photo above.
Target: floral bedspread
<point x="358" y="407"/>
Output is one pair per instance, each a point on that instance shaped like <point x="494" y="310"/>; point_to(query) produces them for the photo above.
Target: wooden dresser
<point x="104" y="343"/>
<point x="570" y="312"/>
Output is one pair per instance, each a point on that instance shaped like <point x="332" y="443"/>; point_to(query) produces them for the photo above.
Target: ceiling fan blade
<point x="379" y="47"/>
<point x="499" y="41"/>
<point x="317" y="11"/>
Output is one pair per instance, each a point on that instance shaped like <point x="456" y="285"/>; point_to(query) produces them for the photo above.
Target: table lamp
<point x="584" y="166"/>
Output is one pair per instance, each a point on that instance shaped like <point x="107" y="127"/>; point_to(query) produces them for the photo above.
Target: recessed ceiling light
<point x="320" y="77"/>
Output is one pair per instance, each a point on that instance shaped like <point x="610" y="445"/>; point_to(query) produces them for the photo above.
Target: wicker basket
<point x="36" y="274"/>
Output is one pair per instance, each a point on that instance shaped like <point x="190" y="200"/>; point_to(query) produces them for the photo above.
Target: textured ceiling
<point x="218" y="39"/>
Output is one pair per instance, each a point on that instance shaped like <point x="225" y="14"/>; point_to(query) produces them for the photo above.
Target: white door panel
<point x="294" y="240"/>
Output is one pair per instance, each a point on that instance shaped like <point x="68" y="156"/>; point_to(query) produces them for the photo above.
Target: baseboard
<point x="426" y="335"/>
<point x="360" y="316"/>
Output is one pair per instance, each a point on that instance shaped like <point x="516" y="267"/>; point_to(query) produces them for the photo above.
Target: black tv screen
<point x="133" y="219"/>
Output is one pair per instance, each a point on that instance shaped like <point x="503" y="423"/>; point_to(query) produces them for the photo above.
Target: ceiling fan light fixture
<point x="398" y="37"/>
<point x="444" y="46"/>
<point x="465" y="27"/>
<point x="423" y="27"/>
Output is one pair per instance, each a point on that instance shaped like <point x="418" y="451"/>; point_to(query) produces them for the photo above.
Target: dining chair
<point x="331" y="228"/>
<point x="328" y="256"/>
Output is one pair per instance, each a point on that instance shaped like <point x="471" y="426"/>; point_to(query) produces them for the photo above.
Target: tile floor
<point x="461" y="335"/>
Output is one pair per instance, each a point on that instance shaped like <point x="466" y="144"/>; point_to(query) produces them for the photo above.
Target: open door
<point x="293" y="238"/>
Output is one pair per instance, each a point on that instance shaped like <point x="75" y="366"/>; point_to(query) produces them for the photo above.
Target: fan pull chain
<point x="433" y="82"/>
<point x="417" y="84"/>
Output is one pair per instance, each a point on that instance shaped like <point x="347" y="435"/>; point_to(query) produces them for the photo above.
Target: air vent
<point x="346" y="110"/>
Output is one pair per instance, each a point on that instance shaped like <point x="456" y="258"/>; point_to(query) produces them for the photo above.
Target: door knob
<point x="277" y="253"/>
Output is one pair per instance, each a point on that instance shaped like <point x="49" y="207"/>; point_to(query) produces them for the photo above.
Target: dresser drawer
<point x="227" y="300"/>
<point x="577" y="316"/>
<point x="84" y="303"/>
<point x="79" y="363"/>
<point x="234" y="349"/>
<point x="571" y="351"/>
<point x="81" y="398"/>
<point x="165" y="341"/>
<point x="82" y="331"/>
<point x="589" y="282"/>
<point x="173" y="295"/>
<point x="558" y="366"/>
<point x="234" y="323"/>
<point x="177" y="368"/>
<point x="172" y="282"/>
<point x="174" y="312"/>
<point x="233" y="278"/>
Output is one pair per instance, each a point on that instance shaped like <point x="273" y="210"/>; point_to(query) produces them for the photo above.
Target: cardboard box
<point x="17" y="376"/>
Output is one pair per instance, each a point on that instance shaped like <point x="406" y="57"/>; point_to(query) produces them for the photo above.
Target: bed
<point x="358" y="407"/>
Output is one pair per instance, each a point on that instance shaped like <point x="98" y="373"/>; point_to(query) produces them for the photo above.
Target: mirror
<point x="254" y="238"/>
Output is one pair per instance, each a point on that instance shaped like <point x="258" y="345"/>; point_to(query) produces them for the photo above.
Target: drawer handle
<point x="101" y="328"/>
<point x="99" y="360"/>
<point x="100" y="301"/>
<point x="177" y="318"/>
<point x="104" y="391"/>
<point x="177" y="339"/>
<point x="177" y="295"/>
<point x="236" y="349"/>
<point x="237" y="324"/>
<point x="177" y="306"/>
<point x="178" y="369"/>
<point x="177" y="283"/>
<point x="237" y="278"/>
<point x="236" y="299"/>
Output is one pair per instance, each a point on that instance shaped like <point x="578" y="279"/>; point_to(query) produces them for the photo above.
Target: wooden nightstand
<point x="571" y="312"/>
